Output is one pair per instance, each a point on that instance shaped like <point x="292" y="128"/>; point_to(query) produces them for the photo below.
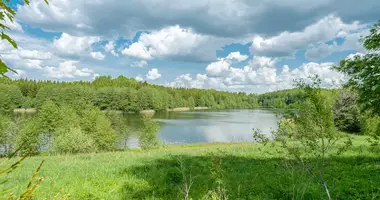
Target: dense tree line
<point x="290" y="97"/>
<point x="120" y="93"/>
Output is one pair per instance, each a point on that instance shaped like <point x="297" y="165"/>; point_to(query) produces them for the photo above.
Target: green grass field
<point x="245" y="170"/>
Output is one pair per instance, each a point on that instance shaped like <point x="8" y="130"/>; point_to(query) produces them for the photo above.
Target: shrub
<point x="347" y="112"/>
<point x="96" y="124"/>
<point x="371" y="127"/>
<point x="148" y="137"/>
<point x="28" y="141"/>
<point x="73" y="140"/>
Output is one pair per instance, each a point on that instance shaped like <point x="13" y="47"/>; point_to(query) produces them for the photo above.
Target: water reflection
<point x="222" y="126"/>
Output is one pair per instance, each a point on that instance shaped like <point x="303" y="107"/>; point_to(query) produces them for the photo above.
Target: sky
<point x="252" y="46"/>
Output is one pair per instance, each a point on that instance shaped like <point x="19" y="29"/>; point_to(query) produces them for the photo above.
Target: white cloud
<point x="20" y="73"/>
<point x="139" y="78"/>
<point x="110" y="47"/>
<point x="140" y="63"/>
<point x="69" y="44"/>
<point x="237" y="56"/>
<point x="153" y="74"/>
<point x="261" y="75"/>
<point x="229" y="18"/>
<point x="67" y="69"/>
<point x="33" y="64"/>
<point x="223" y="64"/>
<point x="287" y="43"/>
<point x="219" y="67"/>
<point x="176" y="43"/>
<point x="14" y="26"/>
<point x="97" y="55"/>
<point x="34" y="54"/>
<point x="137" y="50"/>
<point x="320" y="50"/>
<point x="351" y="42"/>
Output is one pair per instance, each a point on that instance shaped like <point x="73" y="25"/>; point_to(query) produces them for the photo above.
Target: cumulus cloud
<point x="219" y="67"/>
<point x="177" y="43"/>
<point x="31" y="52"/>
<point x="137" y="50"/>
<point x="15" y="58"/>
<point x="261" y="75"/>
<point x="230" y="18"/>
<point x="153" y="74"/>
<point x="223" y="64"/>
<point x="139" y="78"/>
<point x="67" y="69"/>
<point x="97" y="55"/>
<point x="288" y="43"/>
<point x="140" y="63"/>
<point x="69" y="44"/>
<point x="351" y="42"/>
<point x="35" y="54"/>
<point x="237" y="56"/>
<point x="33" y="64"/>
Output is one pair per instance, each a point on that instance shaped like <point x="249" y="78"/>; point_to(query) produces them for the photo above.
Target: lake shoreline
<point x="148" y="111"/>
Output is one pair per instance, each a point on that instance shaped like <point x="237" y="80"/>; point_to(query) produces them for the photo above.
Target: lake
<point x="211" y="126"/>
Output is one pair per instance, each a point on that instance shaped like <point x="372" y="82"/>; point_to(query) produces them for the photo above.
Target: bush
<point x="28" y="141"/>
<point x="371" y="127"/>
<point x="148" y="137"/>
<point x="73" y="140"/>
<point x="96" y="124"/>
<point x="347" y="112"/>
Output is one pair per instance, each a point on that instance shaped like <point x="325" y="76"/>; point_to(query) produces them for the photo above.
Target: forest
<point x="121" y="93"/>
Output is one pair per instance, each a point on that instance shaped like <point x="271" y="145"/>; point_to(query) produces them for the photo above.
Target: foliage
<point x="309" y="134"/>
<point x="148" y="137"/>
<point x="10" y="98"/>
<point x="363" y="72"/>
<point x="59" y="128"/>
<point x="9" y="130"/>
<point x="347" y="112"/>
<point x="125" y="94"/>
<point x="29" y="141"/>
<point x="73" y="141"/>
<point x="95" y="124"/>
<point x="372" y="129"/>
<point x="119" y="124"/>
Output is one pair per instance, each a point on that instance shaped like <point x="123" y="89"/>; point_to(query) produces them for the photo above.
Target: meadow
<point x="238" y="170"/>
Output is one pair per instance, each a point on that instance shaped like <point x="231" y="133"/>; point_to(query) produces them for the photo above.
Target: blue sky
<point x="235" y="45"/>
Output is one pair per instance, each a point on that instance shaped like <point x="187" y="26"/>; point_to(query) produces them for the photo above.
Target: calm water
<point x="212" y="126"/>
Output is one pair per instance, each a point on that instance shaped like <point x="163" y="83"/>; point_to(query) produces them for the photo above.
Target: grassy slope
<point x="248" y="173"/>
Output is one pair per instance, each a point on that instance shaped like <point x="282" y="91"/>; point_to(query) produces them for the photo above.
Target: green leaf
<point x="27" y="2"/>
<point x="7" y="8"/>
<point x="2" y="26"/>
<point x="10" y="17"/>
<point x="3" y="68"/>
<point x="10" y="40"/>
<point x="47" y="2"/>
<point x="1" y="15"/>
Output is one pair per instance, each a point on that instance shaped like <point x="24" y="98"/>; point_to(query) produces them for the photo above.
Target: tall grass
<point x="235" y="171"/>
